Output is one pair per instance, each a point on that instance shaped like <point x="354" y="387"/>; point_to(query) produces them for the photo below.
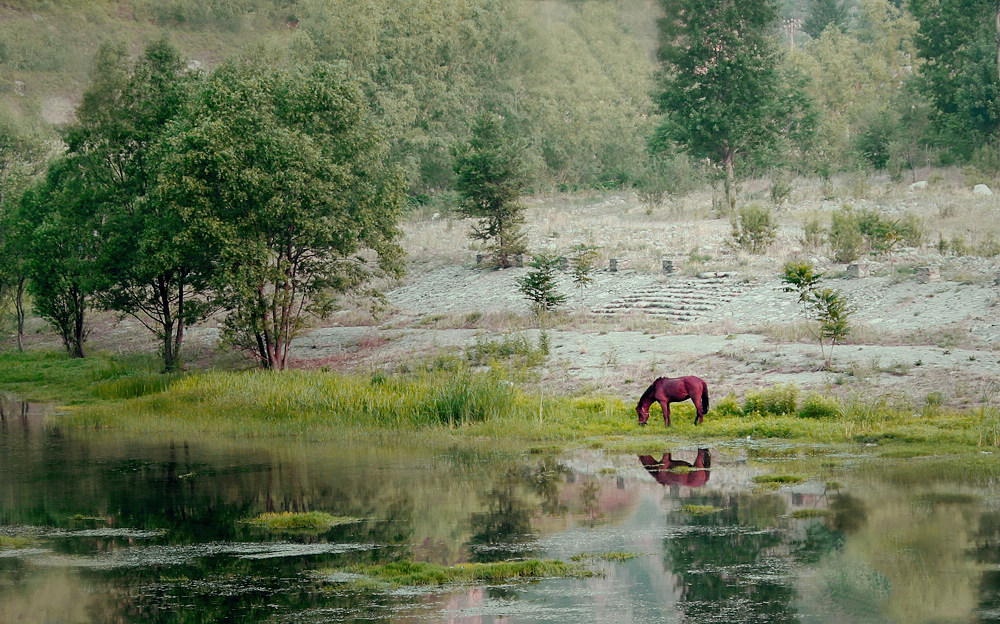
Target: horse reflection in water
<point x="670" y="471"/>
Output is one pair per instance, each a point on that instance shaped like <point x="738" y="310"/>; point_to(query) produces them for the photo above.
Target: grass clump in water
<point x="812" y="512"/>
<point x="700" y="510"/>
<point x="778" y="480"/>
<point x="12" y="542"/>
<point x="616" y="557"/>
<point x="290" y="521"/>
<point x="416" y="573"/>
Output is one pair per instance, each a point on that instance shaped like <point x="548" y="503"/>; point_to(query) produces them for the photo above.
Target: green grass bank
<point x="106" y="392"/>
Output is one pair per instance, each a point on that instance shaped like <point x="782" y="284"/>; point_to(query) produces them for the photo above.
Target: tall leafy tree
<point x="283" y="176"/>
<point x="960" y="42"/>
<point x="150" y="268"/>
<point x="61" y="245"/>
<point x="825" y="14"/>
<point x="720" y="84"/>
<point x="22" y="152"/>
<point x="491" y="177"/>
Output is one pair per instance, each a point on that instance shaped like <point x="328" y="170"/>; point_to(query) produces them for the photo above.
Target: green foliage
<point x="485" y="351"/>
<point x="801" y="277"/>
<point x="282" y="174"/>
<point x="58" y="237"/>
<point x="491" y="177"/>
<point x="721" y="88"/>
<point x="825" y="14"/>
<point x="299" y="522"/>
<point x="539" y="284"/>
<point x="755" y="229"/>
<point x="818" y="406"/>
<point x="846" y="238"/>
<point x="778" y="400"/>
<point x="149" y="265"/>
<point x="581" y="264"/>
<point x="413" y="573"/>
<point x="133" y="385"/>
<point x="729" y="406"/>
<point x="958" y="39"/>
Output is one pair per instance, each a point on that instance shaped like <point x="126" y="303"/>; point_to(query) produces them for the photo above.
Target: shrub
<point x="755" y="230"/>
<point x="845" y="236"/>
<point x="729" y="406"/>
<point x="778" y="400"/>
<point x="819" y="407"/>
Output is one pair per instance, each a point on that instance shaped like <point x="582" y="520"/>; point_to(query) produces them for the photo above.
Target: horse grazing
<point x="667" y="390"/>
<point x="666" y="470"/>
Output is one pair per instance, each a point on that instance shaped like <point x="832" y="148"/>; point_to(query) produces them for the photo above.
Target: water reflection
<point x="670" y="471"/>
<point x="102" y="529"/>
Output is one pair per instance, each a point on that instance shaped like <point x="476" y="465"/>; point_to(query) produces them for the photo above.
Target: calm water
<point x="104" y="530"/>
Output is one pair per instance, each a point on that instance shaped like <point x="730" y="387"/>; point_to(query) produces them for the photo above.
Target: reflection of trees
<point x="987" y="553"/>
<point x="819" y="540"/>
<point x="727" y="567"/>
<point x="849" y="513"/>
<point x="504" y="529"/>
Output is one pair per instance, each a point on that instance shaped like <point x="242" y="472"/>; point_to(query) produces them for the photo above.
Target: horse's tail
<point x="704" y="398"/>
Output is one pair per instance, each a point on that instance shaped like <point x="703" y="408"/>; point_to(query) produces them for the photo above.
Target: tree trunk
<point x="727" y="162"/>
<point x="19" y="310"/>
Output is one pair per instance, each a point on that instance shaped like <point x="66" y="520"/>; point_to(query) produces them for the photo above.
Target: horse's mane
<point x="649" y="391"/>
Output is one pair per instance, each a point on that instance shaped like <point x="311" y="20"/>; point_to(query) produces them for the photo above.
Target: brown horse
<point x="665" y="474"/>
<point x="667" y="390"/>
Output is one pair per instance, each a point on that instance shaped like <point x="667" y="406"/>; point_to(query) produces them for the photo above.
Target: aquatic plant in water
<point x="418" y="573"/>
<point x="307" y="521"/>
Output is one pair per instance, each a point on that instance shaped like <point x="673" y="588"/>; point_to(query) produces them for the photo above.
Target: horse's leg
<point x="699" y="415"/>
<point x="665" y="404"/>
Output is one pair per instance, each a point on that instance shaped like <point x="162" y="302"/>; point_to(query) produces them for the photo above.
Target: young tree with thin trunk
<point x="720" y="84"/>
<point x="491" y="177"/>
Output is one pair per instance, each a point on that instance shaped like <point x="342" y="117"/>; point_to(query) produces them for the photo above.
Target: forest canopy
<point x="891" y="85"/>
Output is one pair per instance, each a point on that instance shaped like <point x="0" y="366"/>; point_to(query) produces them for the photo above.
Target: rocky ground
<point x="720" y="314"/>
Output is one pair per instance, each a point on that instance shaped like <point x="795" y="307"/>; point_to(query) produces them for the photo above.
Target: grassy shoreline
<point x="110" y="393"/>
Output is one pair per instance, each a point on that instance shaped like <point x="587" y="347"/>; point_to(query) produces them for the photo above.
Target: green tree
<point x="832" y="312"/>
<point x="150" y="266"/>
<point x="22" y="151"/>
<point x="825" y="14"/>
<point x="491" y="177"/>
<point x="827" y="307"/>
<point x="859" y="84"/>
<point x="539" y="285"/>
<point x="802" y="278"/>
<point x="960" y="41"/>
<point x="61" y="246"/>
<point x="283" y="176"/>
<point x="720" y="84"/>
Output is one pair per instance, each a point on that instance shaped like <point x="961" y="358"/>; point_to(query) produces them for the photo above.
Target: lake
<point x="95" y="528"/>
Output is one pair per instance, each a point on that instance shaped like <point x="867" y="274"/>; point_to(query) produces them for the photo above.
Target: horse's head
<point x="643" y="413"/>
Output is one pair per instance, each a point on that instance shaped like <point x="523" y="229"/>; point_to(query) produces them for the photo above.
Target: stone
<point x="927" y="274"/>
<point x="918" y="185"/>
<point x="857" y="270"/>
<point x="982" y="189"/>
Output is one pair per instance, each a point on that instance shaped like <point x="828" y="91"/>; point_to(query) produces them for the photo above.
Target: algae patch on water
<point x="417" y="573"/>
<point x="308" y="521"/>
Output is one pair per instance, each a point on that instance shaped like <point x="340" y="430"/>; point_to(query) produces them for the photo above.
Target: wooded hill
<point x="577" y="81"/>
